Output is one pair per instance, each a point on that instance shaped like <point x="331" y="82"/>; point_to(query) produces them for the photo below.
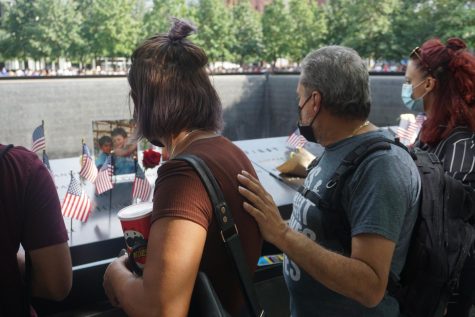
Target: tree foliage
<point x="157" y="20"/>
<point x="57" y="28"/>
<point x="308" y="27"/>
<point x="362" y="25"/>
<point x="110" y="28"/>
<point x="88" y="29"/>
<point x="214" y="24"/>
<point x="276" y="24"/>
<point x="19" y="23"/>
<point x="247" y="33"/>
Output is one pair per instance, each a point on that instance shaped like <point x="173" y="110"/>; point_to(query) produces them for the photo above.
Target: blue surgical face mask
<point x="411" y="103"/>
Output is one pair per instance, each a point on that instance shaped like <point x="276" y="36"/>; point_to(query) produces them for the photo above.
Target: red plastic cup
<point x="135" y="221"/>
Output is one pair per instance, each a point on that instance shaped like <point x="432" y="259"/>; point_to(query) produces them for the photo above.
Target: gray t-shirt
<point x="381" y="197"/>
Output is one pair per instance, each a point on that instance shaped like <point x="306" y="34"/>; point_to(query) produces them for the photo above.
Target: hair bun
<point x="455" y="44"/>
<point x="180" y="29"/>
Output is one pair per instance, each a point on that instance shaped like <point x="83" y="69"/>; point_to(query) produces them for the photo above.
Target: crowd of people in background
<point x="215" y="68"/>
<point x="70" y="71"/>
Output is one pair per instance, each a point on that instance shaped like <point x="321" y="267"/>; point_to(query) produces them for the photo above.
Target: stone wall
<point x="255" y="106"/>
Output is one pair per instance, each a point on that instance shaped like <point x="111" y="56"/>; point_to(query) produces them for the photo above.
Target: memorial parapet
<point x="95" y="243"/>
<point x="254" y="106"/>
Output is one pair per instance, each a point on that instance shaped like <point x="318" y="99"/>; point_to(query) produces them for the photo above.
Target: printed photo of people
<point x="111" y="137"/>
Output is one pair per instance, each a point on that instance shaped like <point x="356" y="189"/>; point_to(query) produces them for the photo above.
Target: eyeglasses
<point x="417" y="52"/>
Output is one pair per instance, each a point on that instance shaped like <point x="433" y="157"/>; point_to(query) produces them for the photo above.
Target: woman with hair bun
<point x="440" y="81"/>
<point x="177" y="107"/>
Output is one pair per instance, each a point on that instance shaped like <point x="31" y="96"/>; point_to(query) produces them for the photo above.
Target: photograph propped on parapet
<point x="112" y="139"/>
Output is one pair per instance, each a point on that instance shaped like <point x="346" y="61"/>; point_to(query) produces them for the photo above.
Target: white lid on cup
<point x="136" y="211"/>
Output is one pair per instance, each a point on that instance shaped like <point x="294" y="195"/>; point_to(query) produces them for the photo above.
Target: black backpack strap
<point x="330" y="200"/>
<point x="313" y="164"/>
<point x="228" y="230"/>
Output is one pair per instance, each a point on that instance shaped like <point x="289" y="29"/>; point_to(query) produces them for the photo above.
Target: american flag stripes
<point x="88" y="168"/>
<point x="76" y="204"/>
<point x="141" y="188"/>
<point x="104" y="177"/>
<point x="409" y="134"/>
<point x="296" y="140"/>
<point x="38" y="139"/>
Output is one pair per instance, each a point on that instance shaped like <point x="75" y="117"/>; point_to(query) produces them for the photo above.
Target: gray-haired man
<point x="379" y="199"/>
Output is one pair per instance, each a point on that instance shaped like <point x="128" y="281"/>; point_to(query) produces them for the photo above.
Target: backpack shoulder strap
<point x="228" y="230"/>
<point x="351" y="161"/>
<point x="331" y="197"/>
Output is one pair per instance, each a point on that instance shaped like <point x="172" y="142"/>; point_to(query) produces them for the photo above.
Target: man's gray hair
<point x="341" y="77"/>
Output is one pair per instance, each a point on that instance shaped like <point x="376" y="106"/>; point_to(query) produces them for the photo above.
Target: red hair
<point x="453" y="67"/>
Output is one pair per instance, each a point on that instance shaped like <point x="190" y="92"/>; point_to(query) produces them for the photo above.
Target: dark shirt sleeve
<point x="44" y="224"/>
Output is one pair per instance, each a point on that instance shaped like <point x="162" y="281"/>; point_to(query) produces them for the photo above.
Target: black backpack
<point x="442" y="238"/>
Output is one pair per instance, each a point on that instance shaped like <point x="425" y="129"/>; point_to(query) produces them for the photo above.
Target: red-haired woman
<point x="440" y="80"/>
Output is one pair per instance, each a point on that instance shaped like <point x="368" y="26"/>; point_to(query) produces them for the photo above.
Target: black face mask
<point x="306" y="130"/>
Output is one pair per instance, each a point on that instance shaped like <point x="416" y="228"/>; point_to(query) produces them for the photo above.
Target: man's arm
<point x="362" y="276"/>
<point x="174" y="251"/>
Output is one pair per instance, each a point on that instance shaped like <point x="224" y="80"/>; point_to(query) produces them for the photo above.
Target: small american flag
<point x="76" y="204"/>
<point x="142" y="188"/>
<point x="104" y="177"/>
<point x="409" y="135"/>
<point x="296" y="140"/>
<point x="38" y="139"/>
<point x="88" y="169"/>
<point x="46" y="163"/>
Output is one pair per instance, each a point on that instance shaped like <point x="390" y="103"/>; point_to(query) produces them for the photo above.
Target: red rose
<point x="151" y="158"/>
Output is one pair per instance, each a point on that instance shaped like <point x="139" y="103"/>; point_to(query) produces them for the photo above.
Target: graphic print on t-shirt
<point x="299" y="220"/>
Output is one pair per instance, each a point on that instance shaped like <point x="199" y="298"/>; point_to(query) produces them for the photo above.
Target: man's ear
<point x="317" y="100"/>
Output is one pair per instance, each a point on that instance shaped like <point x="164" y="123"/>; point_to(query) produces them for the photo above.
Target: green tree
<point x="455" y="18"/>
<point x="57" y="28"/>
<point x="110" y="28"/>
<point x="158" y="19"/>
<point x="43" y="29"/>
<point x="276" y="24"/>
<point x="468" y="29"/>
<point x="247" y="32"/>
<point x="214" y="29"/>
<point x="319" y="33"/>
<point x="309" y="28"/>
<point x="417" y="21"/>
<point x="362" y="25"/>
<point x="3" y="33"/>
<point x="19" y="22"/>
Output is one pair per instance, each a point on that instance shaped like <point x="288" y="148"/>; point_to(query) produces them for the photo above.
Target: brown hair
<point x="170" y="86"/>
<point x="453" y="67"/>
